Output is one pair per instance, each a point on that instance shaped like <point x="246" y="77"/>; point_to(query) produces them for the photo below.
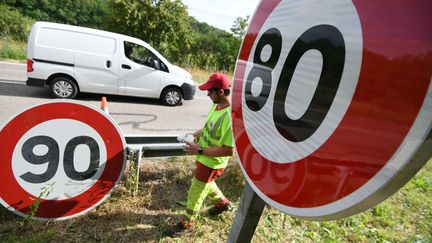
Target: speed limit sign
<point x="68" y="155"/>
<point x="332" y="102"/>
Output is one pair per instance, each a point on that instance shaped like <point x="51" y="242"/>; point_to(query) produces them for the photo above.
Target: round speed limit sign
<point x="68" y="155"/>
<point x="332" y="102"/>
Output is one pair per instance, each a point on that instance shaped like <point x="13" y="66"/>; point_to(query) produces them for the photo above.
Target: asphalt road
<point x="133" y="115"/>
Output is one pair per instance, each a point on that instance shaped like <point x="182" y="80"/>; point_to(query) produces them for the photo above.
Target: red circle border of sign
<point x="13" y="194"/>
<point x="342" y="164"/>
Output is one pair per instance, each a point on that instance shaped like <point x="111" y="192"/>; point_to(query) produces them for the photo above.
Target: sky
<point x="220" y="13"/>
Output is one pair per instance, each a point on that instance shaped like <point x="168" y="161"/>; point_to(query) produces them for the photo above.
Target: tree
<point x="88" y="13"/>
<point x="239" y="27"/>
<point x="162" y="23"/>
<point x="213" y="47"/>
<point x="13" y="24"/>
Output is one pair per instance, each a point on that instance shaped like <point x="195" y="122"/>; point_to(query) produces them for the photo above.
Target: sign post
<point x="331" y="107"/>
<point x="247" y="216"/>
<point x="66" y="154"/>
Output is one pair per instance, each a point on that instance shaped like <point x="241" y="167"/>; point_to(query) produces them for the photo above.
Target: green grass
<point x="404" y="217"/>
<point x="12" y="50"/>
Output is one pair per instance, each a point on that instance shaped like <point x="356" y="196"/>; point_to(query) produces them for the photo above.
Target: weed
<point x="132" y="171"/>
<point x="422" y="183"/>
<point x="33" y="208"/>
<point x="380" y="210"/>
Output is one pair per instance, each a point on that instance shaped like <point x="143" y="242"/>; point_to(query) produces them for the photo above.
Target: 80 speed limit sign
<point x="332" y="102"/>
<point x="68" y="154"/>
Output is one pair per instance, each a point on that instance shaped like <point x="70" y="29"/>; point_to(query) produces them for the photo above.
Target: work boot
<point x="181" y="228"/>
<point x="218" y="209"/>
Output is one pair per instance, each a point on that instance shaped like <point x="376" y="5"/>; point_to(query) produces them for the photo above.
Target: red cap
<point x="216" y="80"/>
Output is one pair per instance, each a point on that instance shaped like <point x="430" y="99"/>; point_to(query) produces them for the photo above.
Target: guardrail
<point x="156" y="146"/>
<point x="146" y="146"/>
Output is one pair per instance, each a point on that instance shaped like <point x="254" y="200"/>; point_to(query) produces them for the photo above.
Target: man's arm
<point x="215" y="151"/>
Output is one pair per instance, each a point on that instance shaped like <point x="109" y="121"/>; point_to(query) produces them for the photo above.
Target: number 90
<point x="52" y="158"/>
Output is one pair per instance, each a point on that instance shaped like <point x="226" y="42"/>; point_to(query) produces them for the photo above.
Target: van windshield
<point x="141" y="55"/>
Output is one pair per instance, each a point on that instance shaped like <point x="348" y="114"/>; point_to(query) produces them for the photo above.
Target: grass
<point x="12" y="50"/>
<point x="404" y="217"/>
<point x="200" y="75"/>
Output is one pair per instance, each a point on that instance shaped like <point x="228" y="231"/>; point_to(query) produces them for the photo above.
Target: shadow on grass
<point x="113" y="227"/>
<point x="6" y="215"/>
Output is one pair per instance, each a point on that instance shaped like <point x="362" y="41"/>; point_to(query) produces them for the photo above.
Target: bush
<point x="13" y="24"/>
<point x="12" y="49"/>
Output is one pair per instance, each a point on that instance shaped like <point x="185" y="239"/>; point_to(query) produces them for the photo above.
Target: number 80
<point x="329" y="41"/>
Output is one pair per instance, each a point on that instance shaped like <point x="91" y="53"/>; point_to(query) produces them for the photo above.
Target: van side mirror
<point x="156" y="64"/>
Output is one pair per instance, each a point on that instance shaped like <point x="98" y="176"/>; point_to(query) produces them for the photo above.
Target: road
<point x="133" y="115"/>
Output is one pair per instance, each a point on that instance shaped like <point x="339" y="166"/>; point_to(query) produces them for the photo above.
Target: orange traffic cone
<point x="104" y="105"/>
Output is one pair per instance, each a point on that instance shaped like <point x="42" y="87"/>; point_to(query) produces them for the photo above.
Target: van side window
<point x="143" y="56"/>
<point x="163" y="67"/>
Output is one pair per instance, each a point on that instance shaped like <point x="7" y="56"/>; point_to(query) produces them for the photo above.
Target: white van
<point x="73" y="59"/>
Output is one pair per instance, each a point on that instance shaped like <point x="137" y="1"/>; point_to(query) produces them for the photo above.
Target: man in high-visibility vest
<point x="214" y="147"/>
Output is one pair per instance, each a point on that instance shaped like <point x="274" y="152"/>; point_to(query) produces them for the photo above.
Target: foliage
<point x="131" y="184"/>
<point x="212" y="48"/>
<point x="88" y="13"/>
<point x="33" y="208"/>
<point x="163" y="24"/>
<point x="239" y="27"/>
<point x="13" y="25"/>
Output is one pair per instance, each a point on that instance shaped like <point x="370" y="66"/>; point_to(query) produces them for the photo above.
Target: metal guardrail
<point x="142" y="146"/>
<point x="156" y="146"/>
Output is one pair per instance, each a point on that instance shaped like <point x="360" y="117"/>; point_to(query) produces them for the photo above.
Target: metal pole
<point x="247" y="216"/>
<point x="139" y="156"/>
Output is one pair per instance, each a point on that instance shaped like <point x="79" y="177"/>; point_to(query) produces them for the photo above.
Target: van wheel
<point x="63" y="87"/>
<point x="171" y="97"/>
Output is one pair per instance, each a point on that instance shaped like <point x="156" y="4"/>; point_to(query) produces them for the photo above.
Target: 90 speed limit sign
<point x="332" y="102"/>
<point x="67" y="154"/>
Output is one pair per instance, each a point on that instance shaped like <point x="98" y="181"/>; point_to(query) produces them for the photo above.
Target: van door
<point x="96" y="63"/>
<point x="139" y="71"/>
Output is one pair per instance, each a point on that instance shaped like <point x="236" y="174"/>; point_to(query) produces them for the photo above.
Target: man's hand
<point x="192" y="148"/>
<point x="197" y="134"/>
